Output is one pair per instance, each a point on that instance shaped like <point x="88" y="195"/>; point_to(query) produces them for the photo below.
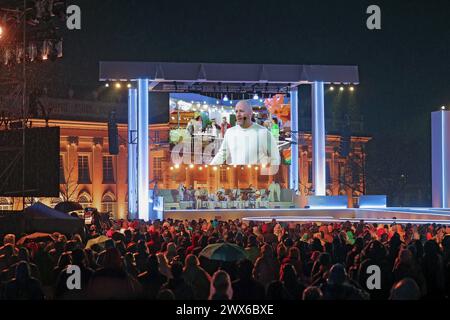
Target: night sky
<point x="404" y="68"/>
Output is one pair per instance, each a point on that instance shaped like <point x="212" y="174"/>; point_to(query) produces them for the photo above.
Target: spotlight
<point x="225" y="98"/>
<point x="231" y="101"/>
<point x="191" y="166"/>
<point x="260" y="100"/>
<point x="249" y="166"/>
<point x="352" y="88"/>
<point x="206" y="166"/>
<point x="200" y="168"/>
<point x="331" y="88"/>
<point x="129" y="85"/>
<point x="217" y="102"/>
<point x="177" y="166"/>
<point x="255" y="96"/>
<point x="171" y="168"/>
<point x="215" y="168"/>
<point x="341" y="89"/>
<point x="118" y="85"/>
<point x="443" y="108"/>
<point x="45" y="50"/>
<point x="32" y="52"/>
<point x="228" y="168"/>
<point x="107" y="85"/>
<point x="59" y="49"/>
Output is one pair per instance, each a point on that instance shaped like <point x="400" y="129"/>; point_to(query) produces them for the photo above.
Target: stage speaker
<point x="113" y="134"/>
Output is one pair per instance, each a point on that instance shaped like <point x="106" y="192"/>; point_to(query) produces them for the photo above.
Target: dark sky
<point x="404" y="68"/>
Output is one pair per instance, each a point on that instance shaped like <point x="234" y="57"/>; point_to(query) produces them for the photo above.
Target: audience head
<point x="405" y="289"/>
<point x="177" y="270"/>
<point x="337" y="275"/>
<point x="221" y="285"/>
<point x="312" y="293"/>
<point x="9" y="239"/>
<point x="22" y="271"/>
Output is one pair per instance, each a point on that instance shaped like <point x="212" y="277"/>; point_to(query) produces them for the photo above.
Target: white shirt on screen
<point x="253" y="145"/>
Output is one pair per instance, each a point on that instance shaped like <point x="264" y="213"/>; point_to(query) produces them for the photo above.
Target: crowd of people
<point x="284" y="261"/>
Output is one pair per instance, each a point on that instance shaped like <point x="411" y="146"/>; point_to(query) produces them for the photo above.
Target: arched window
<point x="5" y="204"/>
<point x="109" y="203"/>
<point x="85" y="200"/>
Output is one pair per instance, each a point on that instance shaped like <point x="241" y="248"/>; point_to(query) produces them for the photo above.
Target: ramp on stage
<point x="379" y="215"/>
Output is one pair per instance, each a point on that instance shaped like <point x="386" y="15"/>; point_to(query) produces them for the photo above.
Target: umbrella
<point x="223" y="252"/>
<point x="35" y="237"/>
<point x="100" y="240"/>
<point x="68" y="206"/>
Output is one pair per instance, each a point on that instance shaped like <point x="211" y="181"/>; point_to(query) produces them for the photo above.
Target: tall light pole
<point x="24" y="97"/>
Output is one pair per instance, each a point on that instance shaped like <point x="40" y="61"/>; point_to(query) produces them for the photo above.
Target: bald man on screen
<point x="247" y="142"/>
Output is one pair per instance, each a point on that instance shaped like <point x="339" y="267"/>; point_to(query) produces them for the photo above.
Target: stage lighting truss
<point x="44" y="21"/>
<point x="49" y="49"/>
<point x="228" y="92"/>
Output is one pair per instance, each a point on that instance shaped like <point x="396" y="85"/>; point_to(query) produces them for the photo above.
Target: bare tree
<point x="70" y="185"/>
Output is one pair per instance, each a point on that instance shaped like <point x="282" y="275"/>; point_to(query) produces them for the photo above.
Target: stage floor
<point x="381" y="215"/>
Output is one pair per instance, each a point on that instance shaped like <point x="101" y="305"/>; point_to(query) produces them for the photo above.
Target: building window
<point x="85" y="201"/>
<point x="108" y="204"/>
<point x="341" y="173"/>
<point x="156" y="138"/>
<point x="108" y="169"/>
<point x="157" y="168"/>
<point x="62" y="178"/>
<point x="355" y="173"/>
<point x="5" y="204"/>
<point x="328" y="173"/>
<point x="83" y="170"/>
<point x="310" y="175"/>
<point x="223" y="174"/>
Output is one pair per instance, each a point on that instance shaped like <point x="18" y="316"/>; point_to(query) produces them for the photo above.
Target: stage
<point x="375" y="215"/>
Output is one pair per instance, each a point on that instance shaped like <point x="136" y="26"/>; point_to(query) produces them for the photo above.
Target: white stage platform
<point x="376" y="215"/>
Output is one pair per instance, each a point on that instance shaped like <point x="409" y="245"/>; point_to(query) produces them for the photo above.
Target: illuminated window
<point x="83" y="170"/>
<point x="341" y="173"/>
<point x="5" y="204"/>
<point x="85" y="200"/>
<point x="156" y="138"/>
<point x="108" y="204"/>
<point x="108" y="169"/>
<point x="157" y="168"/>
<point x="328" y="173"/>
<point x="223" y="174"/>
<point x="310" y="178"/>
